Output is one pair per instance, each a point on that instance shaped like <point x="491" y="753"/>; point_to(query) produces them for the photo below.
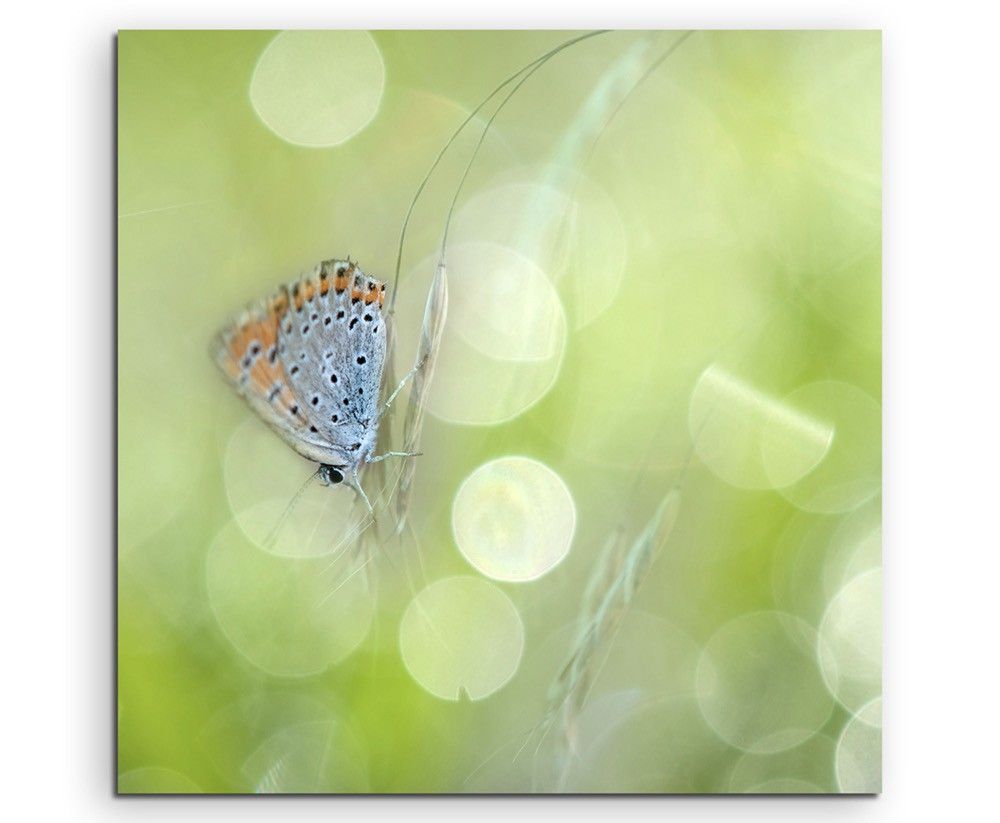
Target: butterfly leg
<point x="379" y="457"/>
<point x="406" y="378"/>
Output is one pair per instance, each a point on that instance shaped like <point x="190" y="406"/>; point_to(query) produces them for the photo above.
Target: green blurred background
<point x="658" y="282"/>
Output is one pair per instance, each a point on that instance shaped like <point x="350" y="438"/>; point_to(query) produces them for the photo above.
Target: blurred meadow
<point x="642" y="548"/>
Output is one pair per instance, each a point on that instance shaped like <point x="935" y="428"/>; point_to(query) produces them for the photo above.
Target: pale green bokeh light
<point x="852" y="471"/>
<point x="317" y="756"/>
<point x="284" y="510"/>
<point x="318" y="88"/>
<point x="563" y="222"/>
<point x="502" y="304"/>
<point x="461" y="636"/>
<point x="850" y="648"/>
<point x="750" y="438"/>
<point x="859" y="751"/>
<point x="290" y="617"/>
<point x="757" y="683"/>
<point x="471" y="387"/>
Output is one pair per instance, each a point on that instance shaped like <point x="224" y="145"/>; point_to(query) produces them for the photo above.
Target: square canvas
<point x="499" y="412"/>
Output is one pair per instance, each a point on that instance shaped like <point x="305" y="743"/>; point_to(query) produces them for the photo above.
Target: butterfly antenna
<point x="273" y="536"/>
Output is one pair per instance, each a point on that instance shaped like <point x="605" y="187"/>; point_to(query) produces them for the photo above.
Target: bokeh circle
<point x="513" y="519"/>
<point x="758" y="683"/>
<point x="505" y="338"/>
<point x="288" y="616"/>
<point x="850" y="651"/>
<point x="859" y="751"/>
<point x="318" y="88"/>
<point x="461" y="635"/>
<point x="736" y="425"/>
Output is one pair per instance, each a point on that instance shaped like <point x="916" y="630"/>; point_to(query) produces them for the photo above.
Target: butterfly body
<point x="309" y="360"/>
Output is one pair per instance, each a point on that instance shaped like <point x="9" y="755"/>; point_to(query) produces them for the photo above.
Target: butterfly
<point x="309" y="360"/>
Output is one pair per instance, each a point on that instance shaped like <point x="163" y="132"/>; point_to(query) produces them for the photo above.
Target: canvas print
<point x="499" y="412"/>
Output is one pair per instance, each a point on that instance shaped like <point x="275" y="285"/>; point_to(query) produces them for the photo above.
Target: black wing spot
<point x="327" y="320"/>
<point x="333" y="377"/>
<point x="368" y="318"/>
<point x="305" y="329"/>
<point x="314" y="430"/>
<point x="353" y="323"/>
<point x="272" y="354"/>
<point x="362" y="360"/>
<point x="375" y="328"/>
<point x="295" y="369"/>
<point x="314" y="317"/>
<point x="361" y="391"/>
<point x="315" y="400"/>
<point x="340" y="314"/>
<point x="334" y="418"/>
<point x="294" y="410"/>
<point x="347" y="400"/>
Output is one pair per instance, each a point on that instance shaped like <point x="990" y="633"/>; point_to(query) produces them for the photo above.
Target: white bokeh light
<point x="318" y="88"/>
<point x="507" y="309"/>
<point x="735" y="426"/>
<point x="855" y="547"/>
<point x="513" y="519"/>
<point x="850" y="651"/>
<point x="859" y="751"/>
<point x="481" y="377"/>
<point x="816" y="554"/>
<point x="563" y="222"/>
<point x="461" y="635"/>
<point x="851" y="472"/>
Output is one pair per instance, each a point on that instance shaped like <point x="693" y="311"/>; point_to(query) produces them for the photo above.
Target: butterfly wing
<point x="309" y="359"/>
<point x="332" y="345"/>
<point x="247" y="353"/>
